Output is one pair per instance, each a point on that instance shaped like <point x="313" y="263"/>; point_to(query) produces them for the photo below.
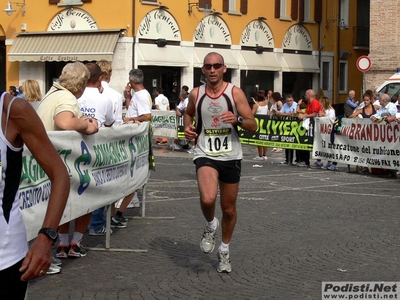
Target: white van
<point x="391" y="86"/>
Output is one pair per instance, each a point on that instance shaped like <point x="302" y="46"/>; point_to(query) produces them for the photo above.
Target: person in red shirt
<point x="313" y="106"/>
<point x="313" y="109"/>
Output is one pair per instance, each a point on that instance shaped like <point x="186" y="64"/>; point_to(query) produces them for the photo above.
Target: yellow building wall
<point x="333" y="38"/>
<point x="236" y="24"/>
<point x="108" y="15"/>
<point x="39" y="14"/>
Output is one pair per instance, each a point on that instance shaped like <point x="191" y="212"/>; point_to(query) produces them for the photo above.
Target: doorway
<point x="168" y="78"/>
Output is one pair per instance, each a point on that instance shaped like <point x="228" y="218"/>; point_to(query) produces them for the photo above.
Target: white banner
<point x="360" y="142"/>
<point x="103" y="168"/>
<point x="164" y="123"/>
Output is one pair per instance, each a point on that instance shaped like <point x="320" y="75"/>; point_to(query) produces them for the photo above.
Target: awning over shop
<point x="263" y="62"/>
<point x="151" y="55"/>
<point x="200" y="53"/>
<point x="64" y="46"/>
<point x="299" y="63"/>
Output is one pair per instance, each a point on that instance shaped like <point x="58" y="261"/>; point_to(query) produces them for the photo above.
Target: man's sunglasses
<point x="215" y="66"/>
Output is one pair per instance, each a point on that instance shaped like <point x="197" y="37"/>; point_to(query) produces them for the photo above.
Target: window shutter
<point x="91" y="1"/>
<point x="294" y="14"/>
<point x="225" y="5"/>
<point x="243" y="6"/>
<point x="277" y="8"/>
<point x="318" y="11"/>
<point x="53" y="1"/>
<point x="301" y="10"/>
<point x="204" y="3"/>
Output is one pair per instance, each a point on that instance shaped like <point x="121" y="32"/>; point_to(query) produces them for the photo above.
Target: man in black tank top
<point x="218" y="108"/>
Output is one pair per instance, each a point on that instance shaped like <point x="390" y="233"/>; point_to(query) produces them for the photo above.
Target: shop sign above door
<point x="297" y="38"/>
<point x="72" y="19"/>
<point x="257" y="33"/>
<point x="212" y="30"/>
<point x="159" y="23"/>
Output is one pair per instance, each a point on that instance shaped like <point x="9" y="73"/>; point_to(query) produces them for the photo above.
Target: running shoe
<point x="76" y="251"/>
<point x="207" y="242"/>
<point x="62" y="251"/>
<point x="224" y="264"/>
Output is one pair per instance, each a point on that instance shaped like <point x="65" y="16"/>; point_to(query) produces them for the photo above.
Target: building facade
<point x="384" y="38"/>
<point x="287" y="46"/>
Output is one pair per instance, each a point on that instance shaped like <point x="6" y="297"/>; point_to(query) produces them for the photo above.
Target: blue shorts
<point x="228" y="171"/>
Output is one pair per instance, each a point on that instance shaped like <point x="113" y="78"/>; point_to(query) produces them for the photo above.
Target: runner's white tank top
<point x="216" y="139"/>
<point x="13" y="240"/>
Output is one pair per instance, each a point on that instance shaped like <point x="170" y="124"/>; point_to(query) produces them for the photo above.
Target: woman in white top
<point x="260" y="107"/>
<point x="329" y="112"/>
<point x="276" y="106"/>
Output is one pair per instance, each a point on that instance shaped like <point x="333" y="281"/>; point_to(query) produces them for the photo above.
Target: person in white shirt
<point x="180" y="111"/>
<point x="116" y="98"/>
<point x="92" y="103"/>
<point x="139" y="110"/>
<point x="99" y="106"/>
<point x="387" y="111"/>
<point x="161" y="103"/>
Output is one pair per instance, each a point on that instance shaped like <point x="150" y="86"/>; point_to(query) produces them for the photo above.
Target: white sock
<point x="224" y="247"/>
<point x="77" y="238"/>
<point x="213" y="224"/>
<point x="63" y="238"/>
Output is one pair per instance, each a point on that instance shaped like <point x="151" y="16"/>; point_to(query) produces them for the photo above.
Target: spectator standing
<point x="351" y="104"/>
<point x="313" y="109"/>
<point x="116" y="98"/>
<point x="139" y="110"/>
<point x="218" y="155"/>
<point x="161" y="103"/>
<point x="59" y="110"/>
<point x="18" y="264"/>
<point x="180" y="111"/>
<point x="269" y="99"/>
<point x="94" y="104"/>
<point x="387" y="111"/>
<point x="260" y="107"/>
<point x="367" y="110"/>
<point x="329" y="112"/>
<point x="275" y="107"/>
<point x="288" y="110"/>
<point x="32" y="92"/>
<point x="127" y="95"/>
<point x="99" y="106"/>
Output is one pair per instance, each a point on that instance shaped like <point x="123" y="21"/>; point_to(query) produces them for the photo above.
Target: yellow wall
<point x="110" y="16"/>
<point x="236" y="24"/>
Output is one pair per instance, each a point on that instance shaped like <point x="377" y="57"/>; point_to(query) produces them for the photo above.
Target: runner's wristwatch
<point x="240" y="120"/>
<point x="50" y="233"/>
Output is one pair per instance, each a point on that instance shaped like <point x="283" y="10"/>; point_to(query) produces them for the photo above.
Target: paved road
<point x="296" y="228"/>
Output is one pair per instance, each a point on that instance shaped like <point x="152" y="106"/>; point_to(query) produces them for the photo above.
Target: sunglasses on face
<point x="215" y="66"/>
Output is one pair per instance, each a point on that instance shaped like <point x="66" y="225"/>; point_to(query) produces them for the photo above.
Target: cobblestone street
<point x="296" y="228"/>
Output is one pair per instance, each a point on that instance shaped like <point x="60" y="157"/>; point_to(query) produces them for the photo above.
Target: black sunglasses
<point x="215" y="66"/>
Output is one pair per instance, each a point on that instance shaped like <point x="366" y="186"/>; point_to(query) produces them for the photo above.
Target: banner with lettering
<point x="103" y="168"/>
<point x="360" y="142"/>
<point x="280" y="132"/>
<point x="164" y="123"/>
